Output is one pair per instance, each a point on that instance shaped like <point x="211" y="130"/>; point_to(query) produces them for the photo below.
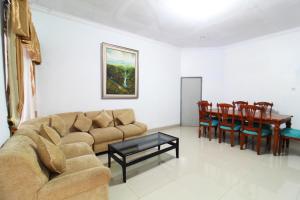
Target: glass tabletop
<point x="129" y="147"/>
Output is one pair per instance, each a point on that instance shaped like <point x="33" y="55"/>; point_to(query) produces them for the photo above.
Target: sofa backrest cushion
<point x="50" y="134"/>
<point x="69" y="119"/>
<point x="103" y="120"/>
<point x="93" y="114"/>
<point x="20" y="165"/>
<point x="83" y="123"/>
<point x="119" y="112"/>
<point x="36" y="123"/>
<point x="58" y="124"/>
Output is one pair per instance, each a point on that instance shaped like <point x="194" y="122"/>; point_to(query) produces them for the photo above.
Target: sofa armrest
<point x="141" y="125"/>
<point x="76" y="149"/>
<point x="65" y="186"/>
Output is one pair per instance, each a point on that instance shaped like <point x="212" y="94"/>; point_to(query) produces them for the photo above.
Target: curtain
<point x="23" y="53"/>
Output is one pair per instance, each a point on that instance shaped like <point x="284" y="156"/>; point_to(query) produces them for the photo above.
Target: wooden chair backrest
<point x="252" y="118"/>
<point x="226" y="114"/>
<point x="205" y="109"/>
<point x="238" y="104"/>
<point x="267" y="106"/>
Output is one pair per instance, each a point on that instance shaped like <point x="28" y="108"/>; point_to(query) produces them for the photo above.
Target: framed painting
<point x="120" y="67"/>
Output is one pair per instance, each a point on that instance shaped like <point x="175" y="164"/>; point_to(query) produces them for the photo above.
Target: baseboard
<point x="163" y="128"/>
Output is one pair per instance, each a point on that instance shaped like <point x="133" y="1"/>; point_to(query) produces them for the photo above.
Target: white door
<point x="191" y="93"/>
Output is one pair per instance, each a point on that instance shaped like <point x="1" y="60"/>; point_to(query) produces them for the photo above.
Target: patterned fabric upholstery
<point x="236" y="127"/>
<point x="213" y="123"/>
<point x="264" y="132"/>
<point x="290" y="132"/>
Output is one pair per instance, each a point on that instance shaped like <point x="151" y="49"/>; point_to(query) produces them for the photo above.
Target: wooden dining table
<point x="273" y="119"/>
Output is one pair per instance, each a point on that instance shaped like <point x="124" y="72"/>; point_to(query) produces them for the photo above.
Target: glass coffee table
<point x="121" y="150"/>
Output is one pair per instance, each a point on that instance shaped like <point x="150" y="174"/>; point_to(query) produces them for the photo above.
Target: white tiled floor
<point x="208" y="170"/>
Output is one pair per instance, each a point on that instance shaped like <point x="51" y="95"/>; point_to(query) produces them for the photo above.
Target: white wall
<point x="69" y="78"/>
<point x="207" y="63"/>
<point x="4" y="131"/>
<point x="267" y="69"/>
<point x="262" y="69"/>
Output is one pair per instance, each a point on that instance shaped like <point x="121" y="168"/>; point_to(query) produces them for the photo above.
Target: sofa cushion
<point x="106" y="134"/>
<point x="58" y="124"/>
<point x="126" y="118"/>
<point x="78" y="137"/>
<point x="69" y="119"/>
<point x="77" y="149"/>
<point x="52" y="157"/>
<point x="81" y="163"/>
<point x="130" y="130"/>
<point x="93" y="114"/>
<point x="83" y="123"/>
<point x="117" y="113"/>
<point x="50" y="134"/>
<point x="103" y="120"/>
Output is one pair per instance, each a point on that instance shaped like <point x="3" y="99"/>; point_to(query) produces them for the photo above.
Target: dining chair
<point x="286" y="135"/>
<point x="250" y="116"/>
<point x="267" y="109"/>
<point x="206" y="121"/>
<point x="227" y="122"/>
<point x="238" y="104"/>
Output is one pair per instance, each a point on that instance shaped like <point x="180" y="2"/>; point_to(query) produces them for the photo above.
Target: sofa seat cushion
<point x="80" y="163"/>
<point x="77" y="137"/>
<point x="76" y="149"/>
<point x="130" y="130"/>
<point x="106" y="134"/>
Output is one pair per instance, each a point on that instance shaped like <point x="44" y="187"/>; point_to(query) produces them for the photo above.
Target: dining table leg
<point x="276" y="139"/>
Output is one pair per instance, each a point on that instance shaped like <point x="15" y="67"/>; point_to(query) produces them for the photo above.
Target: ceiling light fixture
<point x="198" y="9"/>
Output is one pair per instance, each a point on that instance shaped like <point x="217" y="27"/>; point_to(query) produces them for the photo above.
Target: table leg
<point x="177" y="148"/>
<point x="276" y="139"/>
<point x="124" y="169"/>
<point x="109" y="157"/>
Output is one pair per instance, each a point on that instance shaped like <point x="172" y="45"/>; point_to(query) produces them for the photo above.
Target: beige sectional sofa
<point x="97" y="137"/>
<point x="24" y="173"/>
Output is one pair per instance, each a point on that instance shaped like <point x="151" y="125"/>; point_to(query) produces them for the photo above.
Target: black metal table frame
<point x="124" y="164"/>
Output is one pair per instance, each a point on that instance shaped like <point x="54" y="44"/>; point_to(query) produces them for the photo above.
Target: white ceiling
<point x="151" y="18"/>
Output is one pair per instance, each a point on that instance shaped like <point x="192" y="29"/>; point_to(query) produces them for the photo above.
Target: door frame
<point x="201" y="86"/>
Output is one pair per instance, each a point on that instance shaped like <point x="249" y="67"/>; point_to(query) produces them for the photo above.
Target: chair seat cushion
<point x="131" y="130"/>
<point x="235" y="128"/>
<point x="213" y="123"/>
<point x="107" y="134"/>
<point x="264" y="132"/>
<point x="78" y="137"/>
<point x="290" y="132"/>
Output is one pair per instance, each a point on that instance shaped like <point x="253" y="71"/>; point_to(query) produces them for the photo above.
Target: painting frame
<point x="105" y="47"/>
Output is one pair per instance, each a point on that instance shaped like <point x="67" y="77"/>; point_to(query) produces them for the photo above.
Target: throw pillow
<point x="58" y="124"/>
<point x="103" y="120"/>
<point x="52" y="157"/>
<point x="83" y="123"/>
<point x="50" y="134"/>
<point x="126" y="118"/>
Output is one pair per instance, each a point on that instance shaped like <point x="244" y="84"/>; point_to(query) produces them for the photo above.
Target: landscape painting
<point x="119" y="72"/>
